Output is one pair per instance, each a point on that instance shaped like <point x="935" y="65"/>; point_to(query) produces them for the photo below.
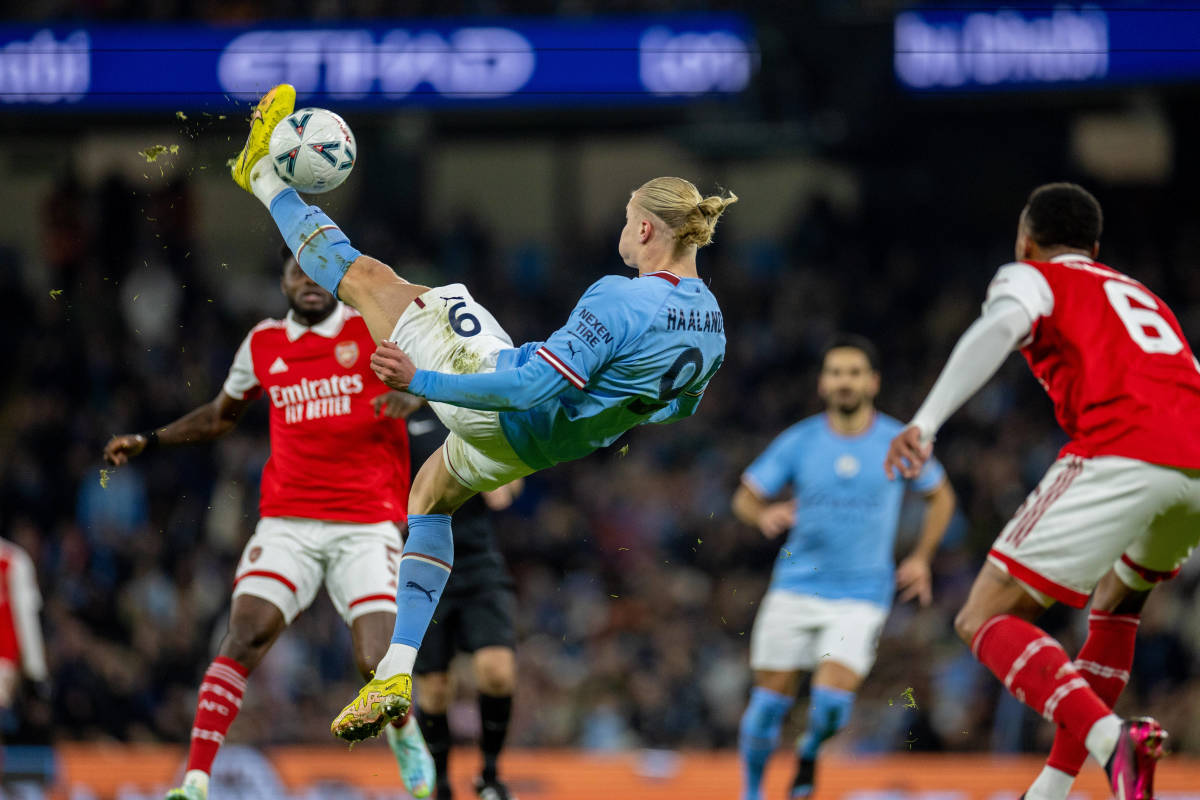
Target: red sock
<point x="1104" y="661"/>
<point x="219" y="701"/>
<point x="399" y="722"/>
<point x="1039" y="673"/>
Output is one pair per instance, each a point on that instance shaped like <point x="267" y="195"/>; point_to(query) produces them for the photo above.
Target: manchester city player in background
<point x="833" y="580"/>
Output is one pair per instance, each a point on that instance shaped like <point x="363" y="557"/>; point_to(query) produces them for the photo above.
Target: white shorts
<point x="798" y="631"/>
<point x="1090" y="515"/>
<point x="288" y="558"/>
<point x="445" y="330"/>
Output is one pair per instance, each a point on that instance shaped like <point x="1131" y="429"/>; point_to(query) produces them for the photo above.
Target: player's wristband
<point x="151" y="437"/>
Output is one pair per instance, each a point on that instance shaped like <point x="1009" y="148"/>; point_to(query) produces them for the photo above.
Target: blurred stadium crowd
<point x="637" y="587"/>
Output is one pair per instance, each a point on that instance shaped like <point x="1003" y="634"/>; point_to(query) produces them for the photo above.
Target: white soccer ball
<point x="313" y="150"/>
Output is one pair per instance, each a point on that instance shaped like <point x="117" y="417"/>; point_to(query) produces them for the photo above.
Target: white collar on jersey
<point x="1071" y="257"/>
<point x="329" y="327"/>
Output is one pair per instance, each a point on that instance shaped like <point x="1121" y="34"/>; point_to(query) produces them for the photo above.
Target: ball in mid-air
<point x="313" y="150"/>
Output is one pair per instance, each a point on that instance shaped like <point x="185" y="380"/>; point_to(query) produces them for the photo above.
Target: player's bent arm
<point x="939" y="508"/>
<point x="748" y="505"/>
<point x="210" y="421"/>
<point x="772" y="518"/>
<point x="519" y="389"/>
<point x="975" y="359"/>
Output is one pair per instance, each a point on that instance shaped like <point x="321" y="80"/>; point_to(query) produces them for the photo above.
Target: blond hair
<point x="690" y="216"/>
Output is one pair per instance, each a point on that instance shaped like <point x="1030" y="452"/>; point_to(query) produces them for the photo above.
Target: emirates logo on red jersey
<point x="346" y="353"/>
<point x="316" y="399"/>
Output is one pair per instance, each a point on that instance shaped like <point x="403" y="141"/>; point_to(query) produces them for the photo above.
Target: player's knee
<point x="495" y="671"/>
<point x="366" y="272"/>
<point x="1115" y="596"/>
<point x="433" y="692"/>
<point x="967" y="624"/>
<point x="247" y="644"/>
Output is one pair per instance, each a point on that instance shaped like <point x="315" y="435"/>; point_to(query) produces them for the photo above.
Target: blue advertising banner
<point x="1061" y="45"/>
<point x="499" y="62"/>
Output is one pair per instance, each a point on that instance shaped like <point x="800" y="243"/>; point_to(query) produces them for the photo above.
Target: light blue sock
<point x="828" y="711"/>
<point x="424" y="570"/>
<point x="758" y="735"/>
<point x="320" y="247"/>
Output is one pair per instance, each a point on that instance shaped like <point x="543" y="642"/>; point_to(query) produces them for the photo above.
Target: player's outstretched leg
<point x="254" y="624"/>
<point x="828" y="712"/>
<point x="1105" y="661"/>
<point x="412" y="756"/>
<point x="424" y="569"/>
<point x="321" y="249"/>
<point x="495" y="677"/>
<point x="758" y="736"/>
<point x="1035" y="669"/>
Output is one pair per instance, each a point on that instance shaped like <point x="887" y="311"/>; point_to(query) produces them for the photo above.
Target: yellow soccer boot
<point x="274" y="106"/>
<point x="377" y="704"/>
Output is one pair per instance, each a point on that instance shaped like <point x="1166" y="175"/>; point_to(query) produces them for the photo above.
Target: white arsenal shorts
<point x="445" y="330"/>
<point x="288" y="558"/>
<point x="798" y="631"/>
<point x="1090" y="515"/>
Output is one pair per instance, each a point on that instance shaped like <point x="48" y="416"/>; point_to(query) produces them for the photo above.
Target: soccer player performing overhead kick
<point x="1118" y="512"/>
<point x="633" y="351"/>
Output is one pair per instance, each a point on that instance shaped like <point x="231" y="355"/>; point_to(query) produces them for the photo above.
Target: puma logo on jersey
<point x="278" y="366"/>
<point x="414" y="585"/>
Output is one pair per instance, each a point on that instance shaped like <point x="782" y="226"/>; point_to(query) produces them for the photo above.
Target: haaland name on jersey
<point x="679" y="319"/>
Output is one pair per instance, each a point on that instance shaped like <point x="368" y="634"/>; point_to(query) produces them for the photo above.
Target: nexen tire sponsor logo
<point x="333" y="386"/>
<point x="477" y="62"/>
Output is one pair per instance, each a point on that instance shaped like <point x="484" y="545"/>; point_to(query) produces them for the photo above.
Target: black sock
<point x="494" y="713"/>
<point x="436" y="730"/>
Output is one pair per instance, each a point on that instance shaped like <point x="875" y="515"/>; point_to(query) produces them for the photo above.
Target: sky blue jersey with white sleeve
<point x="634" y="350"/>
<point x="847" y="511"/>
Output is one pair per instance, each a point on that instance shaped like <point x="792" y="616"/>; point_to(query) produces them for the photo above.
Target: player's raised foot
<point x="378" y="703"/>
<point x="417" y="769"/>
<point x="806" y="773"/>
<point x="1131" y="767"/>
<point x="492" y="790"/>
<point x="270" y="111"/>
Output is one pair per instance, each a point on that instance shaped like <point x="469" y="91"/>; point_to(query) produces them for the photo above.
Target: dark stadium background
<point x="864" y="208"/>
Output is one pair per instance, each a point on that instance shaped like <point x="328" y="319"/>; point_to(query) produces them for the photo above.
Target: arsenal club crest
<point x="346" y="353"/>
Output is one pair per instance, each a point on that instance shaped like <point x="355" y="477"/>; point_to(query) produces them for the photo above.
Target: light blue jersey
<point x="634" y="350"/>
<point x="847" y="510"/>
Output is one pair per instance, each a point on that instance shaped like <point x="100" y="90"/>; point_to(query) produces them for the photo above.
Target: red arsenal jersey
<point x="331" y="458"/>
<point x="20" y="634"/>
<point x="1113" y="359"/>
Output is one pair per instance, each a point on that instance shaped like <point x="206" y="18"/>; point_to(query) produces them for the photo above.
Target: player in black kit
<point x="475" y="615"/>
